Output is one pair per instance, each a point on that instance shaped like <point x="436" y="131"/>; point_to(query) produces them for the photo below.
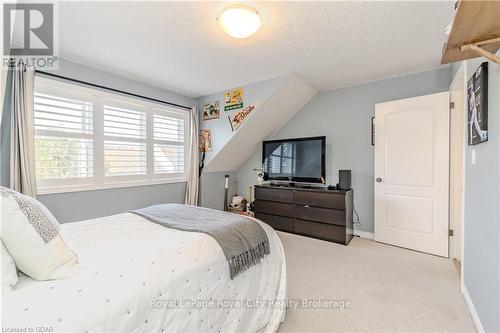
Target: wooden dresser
<point x="314" y="212"/>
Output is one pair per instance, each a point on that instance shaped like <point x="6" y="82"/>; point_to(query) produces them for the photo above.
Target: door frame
<point x="461" y="71"/>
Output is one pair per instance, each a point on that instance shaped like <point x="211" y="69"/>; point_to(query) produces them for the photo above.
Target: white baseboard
<point x="472" y="310"/>
<point x="363" y="234"/>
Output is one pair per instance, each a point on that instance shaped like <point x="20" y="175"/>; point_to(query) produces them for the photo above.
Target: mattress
<point x="138" y="276"/>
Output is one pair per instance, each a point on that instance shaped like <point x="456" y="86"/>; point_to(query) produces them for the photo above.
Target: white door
<point x="412" y="173"/>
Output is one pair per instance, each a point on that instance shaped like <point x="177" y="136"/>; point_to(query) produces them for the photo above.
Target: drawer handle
<point x="306" y="206"/>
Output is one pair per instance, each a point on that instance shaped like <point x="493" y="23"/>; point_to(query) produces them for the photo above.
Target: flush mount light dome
<point x="239" y="21"/>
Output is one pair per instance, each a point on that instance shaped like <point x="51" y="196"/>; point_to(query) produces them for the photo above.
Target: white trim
<point x="462" y="70"/>
<point x="472" y="311"/>
<point x="92" y="187"/>
<point x="363" y="234"/>
<point x="462" y="249"/>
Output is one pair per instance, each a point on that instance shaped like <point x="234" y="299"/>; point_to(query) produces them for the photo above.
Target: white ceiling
<point x="179" y="46"/>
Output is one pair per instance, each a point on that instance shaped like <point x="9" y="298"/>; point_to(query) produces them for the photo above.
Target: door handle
<point x="379" y="180"/>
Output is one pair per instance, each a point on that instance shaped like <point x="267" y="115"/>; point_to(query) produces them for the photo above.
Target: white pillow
<point x="31" y="235"/>
<point x="9" y="272"/>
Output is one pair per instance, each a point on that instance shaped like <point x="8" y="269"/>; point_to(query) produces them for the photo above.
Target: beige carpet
<point x="390" y="289"/>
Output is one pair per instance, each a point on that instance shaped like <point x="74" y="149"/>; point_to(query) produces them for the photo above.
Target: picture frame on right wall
<point x="477" y="105"/>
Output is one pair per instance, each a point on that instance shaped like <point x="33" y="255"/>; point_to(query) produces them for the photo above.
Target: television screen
<point x="294" y="160"/>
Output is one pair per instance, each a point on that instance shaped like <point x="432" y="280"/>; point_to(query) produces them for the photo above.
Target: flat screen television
<point x="299" y="160"/>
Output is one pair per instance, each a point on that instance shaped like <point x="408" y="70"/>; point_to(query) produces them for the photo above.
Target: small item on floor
<point x="251" y="206"/>
<point x="236" y="200"/>
<point x="239" y="207"/>
<point x="238" y="203"/>
<point x="243" y="205"/>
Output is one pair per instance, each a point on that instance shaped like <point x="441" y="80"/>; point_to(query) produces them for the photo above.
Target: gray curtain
<point x="5" y="132"/>
<point x="22" y="133"/>
<point x="192" y="185"/>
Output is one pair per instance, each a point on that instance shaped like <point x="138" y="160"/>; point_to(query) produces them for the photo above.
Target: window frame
<point x="98" y="98"/>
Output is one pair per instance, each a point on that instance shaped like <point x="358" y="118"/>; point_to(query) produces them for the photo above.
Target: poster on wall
<point x="239" y="117"/>
<point x="211" y="110"/>
<point x="477" y="98"/>
<point x="233" y="99"/>
<point x="205" y="141"/>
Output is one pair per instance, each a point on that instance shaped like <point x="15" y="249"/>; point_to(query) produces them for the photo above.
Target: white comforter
<point x="132" y="273"/>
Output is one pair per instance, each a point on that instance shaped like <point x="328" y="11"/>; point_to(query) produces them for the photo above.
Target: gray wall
<point x="482" y="212"/>
<point x="69" y="207"/>
<point x="212" y="189"/>
<point x="344" y="116"/>
<point x="87" y="74"/>
<point x="77" y="206"/>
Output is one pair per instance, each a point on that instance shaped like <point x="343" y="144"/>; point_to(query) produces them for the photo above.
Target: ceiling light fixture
<point x="239" y="21"/>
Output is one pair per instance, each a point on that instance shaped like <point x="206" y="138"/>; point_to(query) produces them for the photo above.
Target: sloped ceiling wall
<point x="277" y="101"/>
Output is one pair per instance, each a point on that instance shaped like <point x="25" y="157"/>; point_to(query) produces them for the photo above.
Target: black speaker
<point x="344" y="180"/>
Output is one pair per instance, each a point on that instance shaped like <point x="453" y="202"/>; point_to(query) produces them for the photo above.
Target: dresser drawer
<point x="319" y="230"/>
<point x="326" y="200"/>
<point x="277" y="222"/>
<point x="324" y="215"/>
<point x="270" y="194"/>
<point x="274" y="208"/>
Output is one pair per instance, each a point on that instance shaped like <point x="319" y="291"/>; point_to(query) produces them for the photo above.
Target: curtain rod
<point x="112" y="89"/>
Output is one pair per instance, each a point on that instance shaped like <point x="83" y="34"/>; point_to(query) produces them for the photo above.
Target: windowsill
<point x="114" y="185"/>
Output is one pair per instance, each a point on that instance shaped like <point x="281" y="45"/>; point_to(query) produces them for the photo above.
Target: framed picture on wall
<point x="211" y="110"/>
<point x="233" y="99"/>
<point x="239" y="117"/>
<point x="477" y="100"/>
<point x="205" y="143"/>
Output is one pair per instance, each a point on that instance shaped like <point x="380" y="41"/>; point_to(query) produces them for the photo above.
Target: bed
<point x="137" y="276"/>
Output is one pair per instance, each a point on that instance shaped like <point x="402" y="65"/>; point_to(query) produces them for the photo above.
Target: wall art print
<point x="233" y="99"/>
<point x="211" y="110"/>
<point x="205" y="141"/>
<point x="239" y="117"/>
<point x="477" y="98"/>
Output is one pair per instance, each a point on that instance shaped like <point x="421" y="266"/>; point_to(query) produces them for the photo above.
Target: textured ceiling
<point x="179" y="45"/>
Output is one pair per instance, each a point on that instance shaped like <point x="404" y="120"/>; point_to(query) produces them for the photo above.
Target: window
<point x="89" y="139"/>
<point x="63" y="144"/>
<point x="124" y="142"/>
<point x="168" y="144"/>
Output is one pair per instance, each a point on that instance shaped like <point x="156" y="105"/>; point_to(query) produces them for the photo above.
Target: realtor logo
<point x="29" y="35"/>
<point x="28" y="29"/>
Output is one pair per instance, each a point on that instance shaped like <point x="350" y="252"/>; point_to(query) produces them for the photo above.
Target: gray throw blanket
<point x="243" y="241"/>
